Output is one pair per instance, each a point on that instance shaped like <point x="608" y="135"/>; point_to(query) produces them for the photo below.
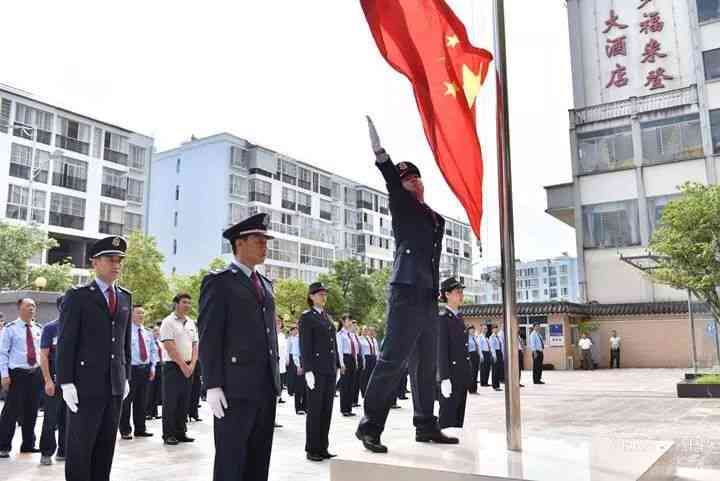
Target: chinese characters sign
<point x="616" y="33"/>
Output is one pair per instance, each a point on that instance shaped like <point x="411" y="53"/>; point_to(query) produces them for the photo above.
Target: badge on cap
<point x="402" y="166"/>
<point x="266" y="220"/>
<point x="116" y="242"/>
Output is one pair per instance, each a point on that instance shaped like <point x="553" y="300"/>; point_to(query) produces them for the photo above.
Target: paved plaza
<point x="620" y="404"/>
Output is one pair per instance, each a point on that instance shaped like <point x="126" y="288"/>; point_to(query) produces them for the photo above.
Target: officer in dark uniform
<point x="93" y="363"/>
<point x="411" y="335"/>
<point x="239" y="356"/>
<point x="454" y="363"/>
<point x="319" y="362"/>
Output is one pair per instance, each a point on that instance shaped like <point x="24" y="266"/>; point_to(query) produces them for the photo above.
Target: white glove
<point x="216" y="400"/>
<point x="127" y="390"/>
<point x="310" y="380"/>
<point x="374" y="137"/>
<point x="70" y="396"/>
<point x="446" y="388"/>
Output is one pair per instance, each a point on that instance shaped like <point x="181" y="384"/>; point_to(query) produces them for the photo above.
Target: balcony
<point x="114" y="192"/>
<point x="69" y="182"/>
<point x="26" y="132"/>
<point x="260" y="197"/>
<point x="67" y="220"/>
<point x="286" y="204"/>
<point x="326" y="215"/>
<point x="326" y="191"/>
<point x="20" y="171"/>
<point x="363" y="204"/>
<point x="560" y="203"/>
<point x="72" y="144"/>
<point x="116" y="157"/>
<point x="304" y="184"/>
<point x="111" y="228"/>
<point x="305" y="209"/>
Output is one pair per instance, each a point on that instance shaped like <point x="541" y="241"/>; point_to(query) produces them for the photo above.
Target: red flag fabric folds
<point x="425" y="41"/>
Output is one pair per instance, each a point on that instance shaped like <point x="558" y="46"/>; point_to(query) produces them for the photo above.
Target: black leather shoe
<point x="278" y="425"/>
<point x="396" y="406"/>
<point x="356" y="405"/>
<point x="328" y="455"/>
<point x="281" y="401"/>
<point x="300" y="413"/>
<point x="185" y="439"/>
<point x="348" y="415"/>
<point x="539" y="382"/>
<point x="371" y="443"/>
<point x="497" y="388"/>
<point x="126" y="437"/>
<point x="29" y="450"/>
<point x="436" y="437"/>
<point x="315" y="457"/>
<point x="171" y="441"/>
<point x="143" y="434"/>
<point x="403" y="397"/>
<point x="522" y="385"/>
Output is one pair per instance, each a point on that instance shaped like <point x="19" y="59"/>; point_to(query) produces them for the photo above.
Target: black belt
<point x="25" y="370"/>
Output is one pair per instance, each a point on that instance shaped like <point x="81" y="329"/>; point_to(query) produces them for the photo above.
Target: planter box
<point x="689" y="389"/>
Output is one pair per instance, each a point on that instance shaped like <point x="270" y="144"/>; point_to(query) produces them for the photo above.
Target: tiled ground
<point x="620" y="404"/>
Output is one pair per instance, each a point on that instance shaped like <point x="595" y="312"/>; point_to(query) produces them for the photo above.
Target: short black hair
<point x="179" y="297"/>
<point x="23" y="299"/>
<point x="58" y="303"/>
<point x="233" y="245"/>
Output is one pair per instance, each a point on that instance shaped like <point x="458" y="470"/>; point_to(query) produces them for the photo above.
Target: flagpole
<point x="513" y="424"/>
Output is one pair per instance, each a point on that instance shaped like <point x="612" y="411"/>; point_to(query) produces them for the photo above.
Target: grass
<point x="708" y="379"/>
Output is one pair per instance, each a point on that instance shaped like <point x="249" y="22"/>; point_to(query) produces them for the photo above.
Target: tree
<point x="380" y="282"/>
<point x="290" y="298"/>
<point x="349" y="290"/>
<point x="142" y="273"/>
<point x="19" y="244"/>
<point x="192" y="284"/>
<point x="59" y="276"/>
<point x="688" y="244"/>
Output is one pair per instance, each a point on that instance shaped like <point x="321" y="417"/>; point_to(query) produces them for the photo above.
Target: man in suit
<point x="239" y="355"/>
<point x="411" y="338"/>
<point x="93" y="363"/>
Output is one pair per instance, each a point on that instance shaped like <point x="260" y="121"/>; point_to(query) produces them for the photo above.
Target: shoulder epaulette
<point x="306" y="311"/>
<point x="126" y="291"/>
<point x="261" y="275"/>
<point x="216" y="272"/>
<point x="8" y="324"/>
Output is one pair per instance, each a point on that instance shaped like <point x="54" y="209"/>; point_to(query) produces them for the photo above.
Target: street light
<point x="40" y="283"/>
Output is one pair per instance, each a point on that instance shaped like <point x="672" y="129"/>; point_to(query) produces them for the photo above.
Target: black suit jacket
<point x="93" y="350"/>
<point x="238" y="348"/>
<point x="418" y="232"/>
<point x="453" y="355"/>
<point x="319" y="353"/>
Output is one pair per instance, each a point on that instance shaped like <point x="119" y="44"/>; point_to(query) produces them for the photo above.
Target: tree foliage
<point x="350" y="290"/>
<point x="59" y="276"/>
<point x="688" y="243"/>
<point x="142" y="272"/>
<point x="290" y="298"/>
<point x="18" y="244"/>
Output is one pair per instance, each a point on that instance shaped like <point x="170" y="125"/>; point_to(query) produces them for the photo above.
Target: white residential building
<point x="74" y="176"/>
<point x="203" y="186"/>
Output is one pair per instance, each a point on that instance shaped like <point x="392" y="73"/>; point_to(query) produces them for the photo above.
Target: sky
<point x="298" y="77"/>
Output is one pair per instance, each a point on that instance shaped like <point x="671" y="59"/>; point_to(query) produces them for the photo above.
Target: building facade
<point x="318" y="217"/>
<point x="546" y="280"/>
<point x="646" y="119"/>
<point x="73" y="176"/>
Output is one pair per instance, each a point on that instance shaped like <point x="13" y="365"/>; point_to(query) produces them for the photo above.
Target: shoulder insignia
<point x="8" y="324"/>
<point x="126" y="291"/>
<point x="217" y="272"/>
<point x="269" y="281"/>
<point x="306" y="311"/>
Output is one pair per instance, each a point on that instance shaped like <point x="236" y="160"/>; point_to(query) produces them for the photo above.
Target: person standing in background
<point x="474" y="353"/>
<point x="296" y="377"/>
<point x="54" y="419"/>
<point x="614" y="350"/>
<point x="282" y="357"/>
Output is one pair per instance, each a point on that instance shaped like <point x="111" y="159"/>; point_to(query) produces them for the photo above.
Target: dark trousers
<point x="537" y="366"/>
<point x="368" y="366"/>
<point x="615" y="358"/>
<point x="320" y="405"/>
<point x="195" y="390"/>
<point x="521" y="364"/>
<point x="410" y="341"/>
<point x="452" y="409"/>
<point x="587" y="359"/>
<point x="176" y="396"/>
<point x="501" y="361"/>
<point x="154" y="392"/>
<point x="243" y="440"/>
<point x="347" y="384"/>
<point x="296" y="386"/>
<point x="357" y="378"/>
<point x="497" y="367"/>
<point x="54" y="419"/>
<point x="136" y="400"/>
<point x="485" y="367"/>
<point x="21" y="406"/>
<point x="91" y="436"/>
<point x="474" y="368"/>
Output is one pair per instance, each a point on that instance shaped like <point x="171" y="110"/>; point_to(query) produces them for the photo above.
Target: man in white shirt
<point x="585" y="345"/>
<point x="614" y="350"/>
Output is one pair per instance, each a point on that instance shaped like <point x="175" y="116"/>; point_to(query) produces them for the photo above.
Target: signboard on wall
<point x="556" y="337"/>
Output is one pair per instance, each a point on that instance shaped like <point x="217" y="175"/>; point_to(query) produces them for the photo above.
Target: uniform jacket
<point x="453" y="355"/>
<point x="238" y="347"/>
<point x="418" y="238"/>
<point x="317" y="344"/>
<point x="93" y="347"/>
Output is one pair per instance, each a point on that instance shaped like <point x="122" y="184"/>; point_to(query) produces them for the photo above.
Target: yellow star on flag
<point x="452" y="41"/>
<point x="451" y="89"/>
<point x="471" y="84"/>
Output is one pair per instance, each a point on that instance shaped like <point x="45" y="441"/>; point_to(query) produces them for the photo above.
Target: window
<point x="708" y="10"/>
<point x="260" y="191"/>
<point x="711" y="62"/>
<point x="177" y="192"/>
<point x="352" y="219"/>
<point x="365" y="200"/>
<point x="236" y="213"/>
<point x="325" y="185"/>
<point x="20" y="161"/>
<point x="367" y="223"/>
<point x="67" y="211"/>
<point x="715" y="129"/>
<point x="314" y="229"/>
<point x="37" y="214"/>
<point x="17" y="202"/>
<point x="614" y="224"/>
<point x="656" y="206"/>
<point x="563" y="269"/>
<point x="563" y="280"/>
<point x="73" y="136"/>
<point x="283" y="250"/>
<point x="535" y="294"/>
<point x="289" y="171"/>
<point x="133" y="222"/>
<point x="38" y="119"/>
<point x="70" y="173"/>
<point x="553" y="282"/>
<point x="111" y="219"/>
<point x="553" y="293"/>
<point x="605" y="150"/>
<point x="289" y="199"/>
<point x="315" y="256"/>
<point x="351" y="197"/>
<point x="174" y="246"/>
<point x="304" y="178"/>
<point x="97" y="142"/>
<point x="552" y="271"/>
<point x="304" y="203"/>
<point x="114" y="184"/>
<point x="175" y="219"/>
<point x="42" y="166"/>
<point x="177" y="166"/>
<point x="238" y="158"/>
<point x="5" y="105"/>
<point x="326" y="210"/>
<point x="138" y="155"/>
<point x="383" y="205"/>
<point x="116" y="148"/>
<point x="238" y="186"/>
<point x="564" y="291"/>
<point x="678" y="138"/>
<point x="533" y="283"/>
<point x="136" y="190"/>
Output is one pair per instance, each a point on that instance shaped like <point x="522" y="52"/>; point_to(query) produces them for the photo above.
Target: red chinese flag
<point x="426" y="42"/>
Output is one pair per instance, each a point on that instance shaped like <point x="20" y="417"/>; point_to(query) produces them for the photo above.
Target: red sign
<point x="655" y="79"/>
<point x="616" y="46"/>
<point x="618" y="77"/>
<point x="613" y="22"/>
<point x="652" y="50"/>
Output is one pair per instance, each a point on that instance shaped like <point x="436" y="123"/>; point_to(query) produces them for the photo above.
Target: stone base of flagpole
<point x="482" y="456"/>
